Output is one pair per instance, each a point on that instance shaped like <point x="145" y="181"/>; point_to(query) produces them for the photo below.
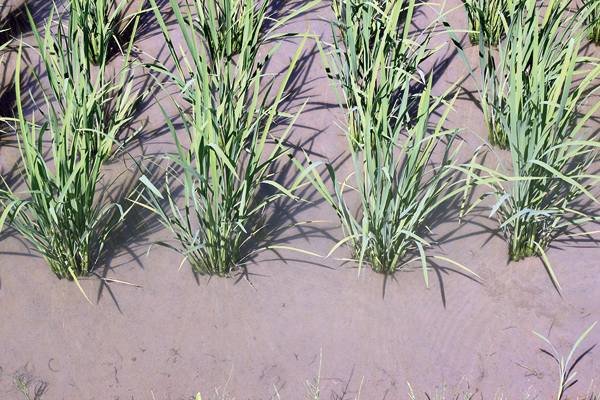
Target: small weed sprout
<point x="563" y="366"/>
<point x="458" y="395"/>
<point x="20" y="383"/>
<point x="314" y="389"/>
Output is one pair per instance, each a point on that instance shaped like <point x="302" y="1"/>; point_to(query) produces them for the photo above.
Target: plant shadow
<point x="131" y="235"/>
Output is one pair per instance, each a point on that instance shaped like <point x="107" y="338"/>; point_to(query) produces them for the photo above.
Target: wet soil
<point x="174" y="333"/>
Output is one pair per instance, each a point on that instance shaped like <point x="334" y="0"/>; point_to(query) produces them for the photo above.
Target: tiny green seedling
<point x="562" y="364"/>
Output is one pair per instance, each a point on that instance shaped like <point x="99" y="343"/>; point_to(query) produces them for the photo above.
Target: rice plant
<point x="545" y="40"/>
<point x="542" y="93"/>
<point x="369" y="41"/>
<point x="105" y="103"/>
<point x="7" y="92"/>
<point x="364" y="18"/>
<point x="99" y="22"/>
<point x="223" y="22"/>
<point x="60" y="213"/>
<point x="487" y="17"/>
<point x="313" y="390"/>
<point x="398" y="186"/>
<point x="227" y="163"/>
<point x="593" y="22"/>
<point x="393" y="168"/>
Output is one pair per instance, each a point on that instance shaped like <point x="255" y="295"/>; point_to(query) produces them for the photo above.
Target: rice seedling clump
<point x="390" y="139"/>
<point x="535" y="94"/>
<point x="487" y="19"/>
<point x="593" y="22"/>
<point x="228" y="127"/>
<point x="61" y="213"/>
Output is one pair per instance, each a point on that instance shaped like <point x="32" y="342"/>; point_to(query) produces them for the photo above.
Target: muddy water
<point x="174" y="333"/>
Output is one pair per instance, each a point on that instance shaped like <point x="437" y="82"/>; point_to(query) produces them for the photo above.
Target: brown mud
<point x="175" y="333"/>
